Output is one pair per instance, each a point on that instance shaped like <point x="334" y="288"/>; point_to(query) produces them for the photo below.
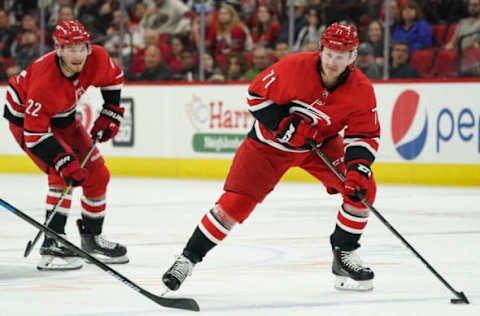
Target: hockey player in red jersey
<point x="41" y="108"/>
<point x="305" y="97"/>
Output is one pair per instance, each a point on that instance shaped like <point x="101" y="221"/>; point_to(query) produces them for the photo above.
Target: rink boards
<point x="430" y="132"/>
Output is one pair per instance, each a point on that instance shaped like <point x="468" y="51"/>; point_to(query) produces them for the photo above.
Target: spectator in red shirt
<point x="265" y="30"/>
<point x="231" y="35"/>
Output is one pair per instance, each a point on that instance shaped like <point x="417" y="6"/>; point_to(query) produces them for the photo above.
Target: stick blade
<point x="461" y="299"/>
<point x="178" y="303"/>
<point x="28" y="249"/>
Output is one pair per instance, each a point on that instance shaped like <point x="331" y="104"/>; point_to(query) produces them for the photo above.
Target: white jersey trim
<point x="279" y="146"/>
<point x="13" y="94"/>
<point x="260" y="106"/>
<point x="364" y="145"/>
<point x="114" y="87"/>
<point x="11" y="110"/>
<point x="41" y="139"/>
<point x="208" y="235"/>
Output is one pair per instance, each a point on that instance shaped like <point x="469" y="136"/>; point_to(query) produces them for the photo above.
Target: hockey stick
<point x="31" y="243"/>
<point x="461" y="298"/>
<point x="179" y="303"/>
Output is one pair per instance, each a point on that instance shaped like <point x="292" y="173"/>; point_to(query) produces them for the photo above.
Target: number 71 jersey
<point x="294" y="86"/>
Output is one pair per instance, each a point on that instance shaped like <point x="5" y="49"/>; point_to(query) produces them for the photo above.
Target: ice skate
<point x="178" y="272"/>
<point x="102" y="249"/>
<point x="57" y="257"/>
<point x="351" y="274"/>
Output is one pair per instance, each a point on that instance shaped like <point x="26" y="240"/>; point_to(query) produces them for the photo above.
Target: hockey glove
<point x="357" y="180"/>
<point x="294" y="131"/>
<point x="69" y="169"/>
<point x="108" y="122"/>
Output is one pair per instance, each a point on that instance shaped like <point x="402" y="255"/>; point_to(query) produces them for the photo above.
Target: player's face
<point x="334" y="62"/>
<point x="74" y="56"/>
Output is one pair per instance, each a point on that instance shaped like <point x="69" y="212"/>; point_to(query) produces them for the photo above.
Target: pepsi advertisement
<point x="429" y="123"/>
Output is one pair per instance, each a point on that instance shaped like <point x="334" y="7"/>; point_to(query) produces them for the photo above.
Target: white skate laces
<point x="351" y="274"/>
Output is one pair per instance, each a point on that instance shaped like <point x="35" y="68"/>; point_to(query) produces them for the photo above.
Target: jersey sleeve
<point x="362" y="135"/>
<point x="37" y="132"/>
<point x="269" y="96"/>
<point x="111" y="76"/>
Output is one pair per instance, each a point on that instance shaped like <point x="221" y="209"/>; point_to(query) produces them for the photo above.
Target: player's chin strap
<point x="461" y="298"/>
<point x="31" y="243"/>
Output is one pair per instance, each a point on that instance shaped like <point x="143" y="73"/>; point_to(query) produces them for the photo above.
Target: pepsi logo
<point x="409" y="125"/>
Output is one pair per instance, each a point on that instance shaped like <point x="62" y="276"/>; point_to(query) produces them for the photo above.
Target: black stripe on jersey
<point x="18" y="121"/>
<point x="271" y="116"/>
<point x="48" y="150"/>
<point x="62" y="122"/>
<point x="358" y="152"/>
<point x="111" y="97"/>
<point x="356" y="136"/>
<point x="14" y="90"/>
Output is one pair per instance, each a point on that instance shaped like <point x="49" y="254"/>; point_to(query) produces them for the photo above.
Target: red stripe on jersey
<point x="210" y="227"/>
<point x="349" y="223"/>
<point x="66" y="203"/>
<point x="93" y="209"/>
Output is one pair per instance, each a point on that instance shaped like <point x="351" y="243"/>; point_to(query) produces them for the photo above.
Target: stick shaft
<point x="388" y="225"/>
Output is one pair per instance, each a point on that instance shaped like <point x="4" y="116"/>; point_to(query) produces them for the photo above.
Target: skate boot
<point x="57" y="257"/>
<point x="178" y="272"/>
<point x="351" y="274"/>
<point x="104" y="250"/>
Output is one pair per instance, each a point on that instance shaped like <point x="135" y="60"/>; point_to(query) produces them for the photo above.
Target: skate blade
<point x="52" y="263"/>
<point x="110" y="260"/>
<point x="347" y="284"/>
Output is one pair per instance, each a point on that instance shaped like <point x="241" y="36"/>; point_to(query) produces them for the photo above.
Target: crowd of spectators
<point x="161" y="39"/>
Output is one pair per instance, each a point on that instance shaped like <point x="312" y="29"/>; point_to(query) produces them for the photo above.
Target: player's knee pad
<point x="237" y="206"/>
<point x="97" y="181"/>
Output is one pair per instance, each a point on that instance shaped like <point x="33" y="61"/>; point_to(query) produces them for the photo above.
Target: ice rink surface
<point x="277" y="263"/>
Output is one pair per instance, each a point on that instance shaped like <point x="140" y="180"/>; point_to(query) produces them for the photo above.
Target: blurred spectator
<point x="189" y="71"/>
<point x="132" y="40"/>
<point x="413" y="28"/>
<point x="311" y="47"/>
<point x="155" y="69"/>
<point x="467" y="26"/>
<point x="235" y="66"/>
<point x="231" y="34"/>
<point x="375" y="39"/>
<point x="53" y="11"/>
<point x="400" y="68"/>
<point x="139" y="12"/>
<point x="173" y="59"/>
<point x="26" y="52"/>
<point x="260" y="62"/>
<point x="281" y="50"/>
<point x="210" y="25"/>
<point x="443" y="11"/>
<point x="312" y="32"/>
<point x="95" y="15"/>
<point x="300" y="21"/>
<point x="265" y="30"/>
<point x="65" y="13"/>
<point x="150" y="37"/>
<point x="366" y="61"/>
<point x="167" y="17"/>
<point x="394" y="14"/>
<point x="211" y="70"/>
<point x="22" y="7"/>
<point x="7" y="35"/>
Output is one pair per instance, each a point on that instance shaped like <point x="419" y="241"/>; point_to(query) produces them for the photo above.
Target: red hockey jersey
<point x="41" y="97"/>
<point x="294" y="85"/>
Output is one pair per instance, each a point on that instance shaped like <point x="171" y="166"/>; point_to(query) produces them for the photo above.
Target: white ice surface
<point x="277" y="263"/>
